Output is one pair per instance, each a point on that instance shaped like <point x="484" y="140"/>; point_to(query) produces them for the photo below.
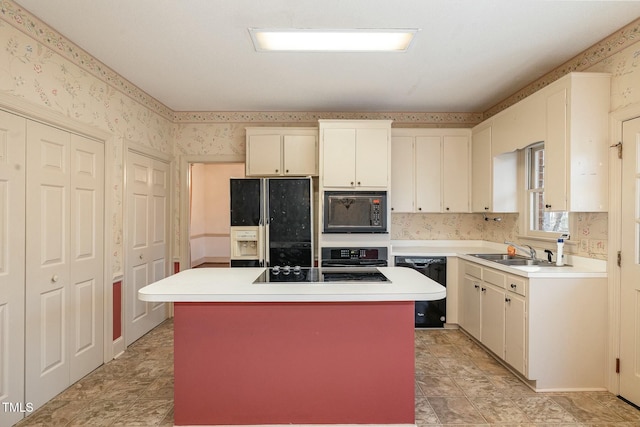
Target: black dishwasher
<point x="429" y="314"/>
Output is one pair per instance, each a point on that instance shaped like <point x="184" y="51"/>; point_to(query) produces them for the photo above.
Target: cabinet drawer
<point x="473" y="270"/>
<point x="517" y="285"/>
<point x="494" y="277"/>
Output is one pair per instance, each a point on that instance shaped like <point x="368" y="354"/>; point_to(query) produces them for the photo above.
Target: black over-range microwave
<point x="355" y="212"/>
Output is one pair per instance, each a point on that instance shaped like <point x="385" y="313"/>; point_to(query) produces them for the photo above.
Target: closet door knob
<point x="54" y="278"/>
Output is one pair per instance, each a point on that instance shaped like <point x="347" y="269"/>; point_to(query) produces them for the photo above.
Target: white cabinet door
<point x="492" y="318"/>
<point x="515" y="332"/>
<point x="455" y="174"/>
<point x="428" y="174"/>
<point x="64" y="270"/>
<point x="481" y="171"/>
<point x="470" y="301"/>
<point x="264" y="155"/>
<point x="372" y="158"/>
<point x="147" y="243"/>
<point x="12" y="262"/>
<point x="402" y="174"/>
<point x="300" y="154"/>
<point x="339" y="157"/>
<point x="555" y="153"/>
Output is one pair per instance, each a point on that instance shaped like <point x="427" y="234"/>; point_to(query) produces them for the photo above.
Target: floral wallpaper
<point x="39" y="65"/>
<point x="588" y="230"/>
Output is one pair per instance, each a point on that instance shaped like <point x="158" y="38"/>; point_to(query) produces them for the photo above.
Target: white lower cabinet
<point x="484" y="306"/>
<point x="492" y="314"/>
<point x="515" y="331"/>
<point x="551" y="330"/>
<point x="470" y="306"/>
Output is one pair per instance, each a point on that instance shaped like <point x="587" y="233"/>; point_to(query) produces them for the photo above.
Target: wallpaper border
<point x="24" y="21"/>
<point x="602" y="50"/>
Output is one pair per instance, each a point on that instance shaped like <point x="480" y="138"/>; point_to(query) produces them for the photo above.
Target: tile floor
<point x="457" y="384"/>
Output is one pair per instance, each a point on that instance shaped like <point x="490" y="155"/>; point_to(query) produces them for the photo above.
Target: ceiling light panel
<point x="307" y="40"/>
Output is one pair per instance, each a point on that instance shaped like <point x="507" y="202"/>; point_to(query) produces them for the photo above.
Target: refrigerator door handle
<point x="267" y="262"/>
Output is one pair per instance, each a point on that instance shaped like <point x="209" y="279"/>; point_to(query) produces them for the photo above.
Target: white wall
<point x="209" y="225"/>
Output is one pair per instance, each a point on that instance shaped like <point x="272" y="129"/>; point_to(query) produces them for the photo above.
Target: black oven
<point x="354" y="257"/>
<point x="355" y="212"/>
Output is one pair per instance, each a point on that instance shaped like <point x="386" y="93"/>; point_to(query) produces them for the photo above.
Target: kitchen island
<point x="260" y="353"/>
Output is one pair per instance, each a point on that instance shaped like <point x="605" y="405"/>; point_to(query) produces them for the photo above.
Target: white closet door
<point x="147" y="245"/>
<point x="64" y="267"/>
<point x="87" y="256"/>
<point x="12" y="263"/>
<point x="47" y="275"/>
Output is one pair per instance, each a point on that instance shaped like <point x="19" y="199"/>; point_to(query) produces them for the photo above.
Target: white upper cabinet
<point x="576" y="144"/>
<point x="571" y="117"/>
<point x="281" y="151"/>
<point x="355" y="154"/>
<point x="430" y="170"/>
<point x="481" y="170"/>
<point x="455" y="173"/>
<point x="494" y="179"/>
<point x="519" y="125"/>
<point x="402" y="173"/>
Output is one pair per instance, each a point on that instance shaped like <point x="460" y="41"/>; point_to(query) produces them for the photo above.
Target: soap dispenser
<point x="559" y="254"/>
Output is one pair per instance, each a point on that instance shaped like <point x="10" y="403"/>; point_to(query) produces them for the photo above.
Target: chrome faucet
<point x="525" y="248"/>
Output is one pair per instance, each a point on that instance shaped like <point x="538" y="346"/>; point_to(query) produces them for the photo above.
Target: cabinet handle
<point x="547" y="206"/>
<point x="392" y="208"/>
<point x="447" y="208"/>
<point x="486" y="208"/>
<point x="513" y="286"/>
<point x="419" y="209"/>
<point x="54" y="278"/>
<point x="359" y="183"/>
<point x="286" y="171"/>
<point x="276" y="170"/>
<point x="351" y="182"/>
<point x="484" y="289"/>
<point x="476" y="286"/>
<point x="507" y="300"/>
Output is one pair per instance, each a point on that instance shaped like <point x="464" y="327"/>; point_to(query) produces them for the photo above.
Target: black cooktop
<point x="323" y="274"/>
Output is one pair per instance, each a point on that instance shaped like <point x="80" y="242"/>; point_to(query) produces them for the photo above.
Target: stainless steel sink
<point x="515" y="260"/>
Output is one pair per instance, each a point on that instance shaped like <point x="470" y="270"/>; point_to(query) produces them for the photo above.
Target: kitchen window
<point x="540" y="221"/>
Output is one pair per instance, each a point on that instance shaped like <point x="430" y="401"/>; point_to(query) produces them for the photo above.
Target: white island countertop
<point x="237" y="285"/>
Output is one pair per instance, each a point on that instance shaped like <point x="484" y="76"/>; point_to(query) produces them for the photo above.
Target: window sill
<point x="533" y="240"/>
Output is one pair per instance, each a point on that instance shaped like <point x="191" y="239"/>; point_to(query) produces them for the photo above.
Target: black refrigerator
<point x="271" y="222"/>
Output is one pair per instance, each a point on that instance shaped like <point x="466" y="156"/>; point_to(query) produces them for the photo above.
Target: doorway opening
<point x="209" y="236"/>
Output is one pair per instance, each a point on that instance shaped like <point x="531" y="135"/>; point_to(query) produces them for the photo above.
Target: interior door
<point x="64" y="269"/>
<point x="630" y="269"/>
<point x="147" y="247"/>
<point x="86" y="260"/>
<point x="12" y="263"/>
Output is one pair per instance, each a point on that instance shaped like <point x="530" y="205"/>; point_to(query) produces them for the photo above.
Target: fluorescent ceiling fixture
<point x="297" y="40"/>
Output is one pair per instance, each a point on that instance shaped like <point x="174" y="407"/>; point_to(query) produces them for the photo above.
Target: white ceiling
<point x="197" y="55"/>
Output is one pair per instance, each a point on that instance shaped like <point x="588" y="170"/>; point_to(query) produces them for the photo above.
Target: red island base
<point x="294" y="363"/>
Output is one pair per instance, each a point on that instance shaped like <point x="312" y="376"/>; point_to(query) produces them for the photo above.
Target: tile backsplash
<point x="588" y="230"/>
